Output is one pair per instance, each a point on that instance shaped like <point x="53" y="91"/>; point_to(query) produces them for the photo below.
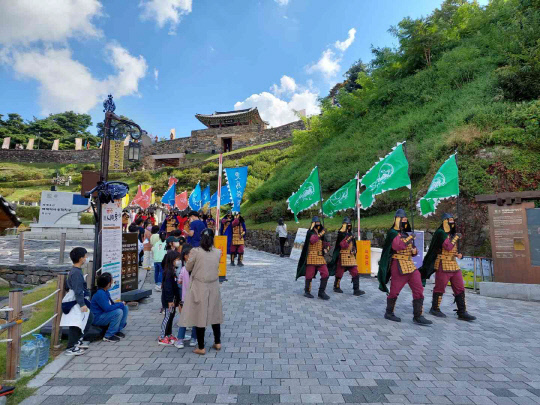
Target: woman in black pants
<point x="202" y="306"/>
<point x="281" y="231"/>
<point x="170" y="297"/>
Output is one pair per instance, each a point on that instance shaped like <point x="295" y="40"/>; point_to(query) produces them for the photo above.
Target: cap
<point x="172" y="239"/>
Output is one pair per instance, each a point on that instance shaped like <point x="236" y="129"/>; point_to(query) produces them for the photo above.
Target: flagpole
<point x="218" y="206"/>
<point x="357" y="204"/>
<point x="320" y="194"/>
<point x="410" y="189"/>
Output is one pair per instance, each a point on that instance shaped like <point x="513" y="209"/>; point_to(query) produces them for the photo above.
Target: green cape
<point x="384" y="264"/>
<point x="332" y="266"/>
<point x="301" y="269"/>
<point x="428" y="266"/>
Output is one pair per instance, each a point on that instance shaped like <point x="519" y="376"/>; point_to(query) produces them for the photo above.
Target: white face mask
<point x="176" y="244"/>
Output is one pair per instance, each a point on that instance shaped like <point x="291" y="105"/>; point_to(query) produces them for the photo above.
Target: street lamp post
<point x="117" y="131"/>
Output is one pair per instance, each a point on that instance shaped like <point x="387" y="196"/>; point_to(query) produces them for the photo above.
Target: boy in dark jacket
<point x="76" y="282"/>
<point x="170" y="297"/>
<point x="107" y="312"/>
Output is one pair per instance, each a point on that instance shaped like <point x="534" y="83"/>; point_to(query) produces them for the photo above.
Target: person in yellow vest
<point x="396" y="263"/>
<point x="441" y="260"/>
<point x="344" y="259"/>
<point x="237" y="242"/>
<point x="312" y="259"/>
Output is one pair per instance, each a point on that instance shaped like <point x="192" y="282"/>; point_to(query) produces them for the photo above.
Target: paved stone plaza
<point x="279" y="347"/>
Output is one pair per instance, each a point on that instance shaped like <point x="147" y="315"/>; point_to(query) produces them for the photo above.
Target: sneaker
<point x="75" y="351"/>
<point x="193" y="342"/>
<point x="173" y="339"/>
<point x="112" y="339"/>
<point x="120" y="335"/>
<point x="82" y="344"/>
<point x="165" y="341"/>
<point x="179" y="344"/>
<point x="158" y="288"/>
<point x="187" y="337"/>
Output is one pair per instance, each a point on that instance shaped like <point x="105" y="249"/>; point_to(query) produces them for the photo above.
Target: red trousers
<point x="312" y="269"/>
<point x="399" y="280"/>
<point x="443" y="277"/>
<point x="340" y="270"/>
<point x="239" y="249"/>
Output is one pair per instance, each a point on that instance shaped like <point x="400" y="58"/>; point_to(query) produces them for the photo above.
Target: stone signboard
<point x="60" y="207"/>
<point x="510" y="244"/>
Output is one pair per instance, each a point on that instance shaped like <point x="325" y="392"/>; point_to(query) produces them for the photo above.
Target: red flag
<point x="181" y="201"/>
<point x="143" y="200"/>
<point x="172" y="180"/>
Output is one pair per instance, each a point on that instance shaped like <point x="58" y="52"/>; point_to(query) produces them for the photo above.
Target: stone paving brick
<point x="276" y="349"/>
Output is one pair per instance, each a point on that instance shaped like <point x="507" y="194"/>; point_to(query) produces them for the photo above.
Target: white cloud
<point x="343" y="45"/>
<point x="66" y="84"/>
<point x="278" y="111"/>
<point x="282" y="2"/>
<point x="287" y="86"/>
<point x="26" y="21"/>
<point x="165" y="11"/>
<point x="328" y="64"/>
<point x="156" y="77"/>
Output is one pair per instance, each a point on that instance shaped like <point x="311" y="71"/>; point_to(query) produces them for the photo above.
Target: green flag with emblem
<point x="342" y="199"/>
<point x="445" y="184"/>
<point x="389" y="173"/>
<point x="307" y="195"/>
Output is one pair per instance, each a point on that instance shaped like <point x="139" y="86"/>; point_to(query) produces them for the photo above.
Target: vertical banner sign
<point x="220" y="242"/>
<point x="130" y="262"/>
<point x="236" y="180"/>
<point x="363" y="256"/>
<point x="298" y="244"/>
<point x="419" y="243"/>
<point x="116" y="155"/>
<point x="111" y="245"/>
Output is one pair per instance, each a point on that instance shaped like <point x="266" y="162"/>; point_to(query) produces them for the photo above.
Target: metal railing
<point x="15" y="321"/>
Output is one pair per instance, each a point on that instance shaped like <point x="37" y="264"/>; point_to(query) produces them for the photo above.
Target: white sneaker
<point x="158" y="288"/>
<point x="187" y="337"/>
<point x="179" y="344"/>
<point x="193" y="343"/>
<point x="82" y="344"/>
<point x="74" y="351"/>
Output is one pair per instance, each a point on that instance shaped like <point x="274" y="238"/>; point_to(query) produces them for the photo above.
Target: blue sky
<point x="166" y="60"/>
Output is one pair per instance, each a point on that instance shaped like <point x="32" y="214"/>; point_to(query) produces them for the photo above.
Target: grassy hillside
<point x="467" y="99"/>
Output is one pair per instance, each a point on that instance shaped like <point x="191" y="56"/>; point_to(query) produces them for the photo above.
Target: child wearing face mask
<point x="183" y="280"/>
<point x="170" y="297"/>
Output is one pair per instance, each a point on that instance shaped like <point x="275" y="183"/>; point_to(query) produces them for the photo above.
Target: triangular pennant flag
<point x="181" y="201"/>
<point x="342" y="199"/>
<point x="307" y="195"/>
<point x="389" y="173"/>
<point x="445" y="184"/>
<point x="205" y="196"/>
<point x="169" y="196"/>
<point x="195" y="198"/>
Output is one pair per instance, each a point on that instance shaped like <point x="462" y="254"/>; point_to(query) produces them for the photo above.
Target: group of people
<point x="396" y="265"/>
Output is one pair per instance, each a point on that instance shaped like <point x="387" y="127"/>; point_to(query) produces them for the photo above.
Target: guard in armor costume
<point x="344" y="259"/>
<point x="235" y="230"/>
<point x="396" y="264"/>
<point x="312" y="259"/>
<point x="441" y="260"/>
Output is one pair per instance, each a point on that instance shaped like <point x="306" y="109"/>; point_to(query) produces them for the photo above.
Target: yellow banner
<point x="116" y="155"/>
<point x="125" y="201"/>
<point x="363" y="256"/>
<point x="220" y="242"/>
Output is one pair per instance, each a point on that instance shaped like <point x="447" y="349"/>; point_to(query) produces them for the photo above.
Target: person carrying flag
<point x="344" y="258"/>
<point x="396" y="263"/>
<point x="441" y="260"/>
<point x="312" y="259"/>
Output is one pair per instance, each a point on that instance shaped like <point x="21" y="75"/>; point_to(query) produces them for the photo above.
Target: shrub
<point x="142" y="177"/>
<point x="210" y="167"/>
<point x="27" y="213"/>
<point x="87" y="219"/>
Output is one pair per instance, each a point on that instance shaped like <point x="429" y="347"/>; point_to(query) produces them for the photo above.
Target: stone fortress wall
<point x="200" y="141"/>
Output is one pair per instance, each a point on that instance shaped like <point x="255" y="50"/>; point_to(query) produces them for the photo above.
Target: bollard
<point x="14" y="333"/>
<point x="62" y="247"/>
<point x="21" y="247"/>
<point x="55" y="331"/>
<point x="474" y="274"/>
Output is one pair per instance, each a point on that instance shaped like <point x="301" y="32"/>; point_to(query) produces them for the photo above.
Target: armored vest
<point x="171" y="225"/>
<point x="446" y="260"/>
<point x="237" y="235"/>
<point x="315" y="255"/>
<point x="404" y="257"/>
<point x="347" y="256"/>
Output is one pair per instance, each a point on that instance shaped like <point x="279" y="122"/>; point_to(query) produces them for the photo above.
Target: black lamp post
<point x="115" y="128"/>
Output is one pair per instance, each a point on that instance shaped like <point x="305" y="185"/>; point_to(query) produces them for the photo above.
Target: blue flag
<point x="236" y="181"/>
<point x="168" y="197"/>
<point x="205" y="196"/>
<point x="195" y="198"/>
<point x="225" y="197"/>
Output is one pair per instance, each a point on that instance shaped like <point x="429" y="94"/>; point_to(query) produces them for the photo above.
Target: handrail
<point x="7" y="309"/>
<point x="41" y="300"/>
<point x="40" y="326"/>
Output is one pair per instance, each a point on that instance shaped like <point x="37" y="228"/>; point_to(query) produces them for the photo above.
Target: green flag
<point x="389" y="173"/>
<point x="445" y="184"/>
<point x="342" y="199"/>
<point x="307" y="195"/>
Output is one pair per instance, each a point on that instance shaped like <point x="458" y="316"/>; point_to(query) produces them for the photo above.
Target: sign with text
<point x="298" y="245"/>
<point x="61" y="207"/>
<point x="111" y="245"/>
<point x="116" y="155"/>
<point x="220" y="242"/>
<point x="130" y="262"/>
<point x="363" y="256"/>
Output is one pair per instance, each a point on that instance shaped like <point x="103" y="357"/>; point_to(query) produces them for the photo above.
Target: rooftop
<point x="249" y="116"/>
